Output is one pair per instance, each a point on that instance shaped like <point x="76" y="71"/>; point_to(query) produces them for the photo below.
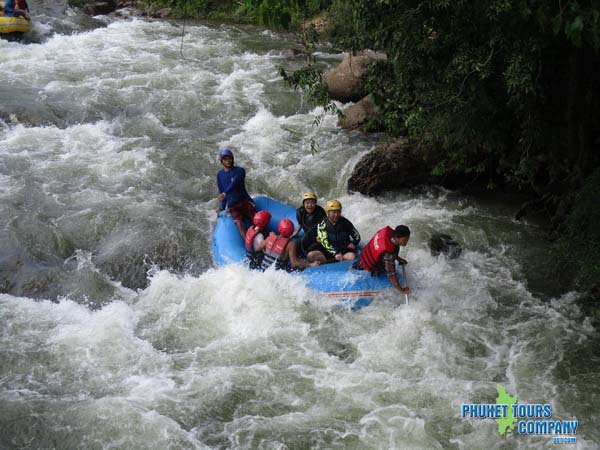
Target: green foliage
<point x="579" y="247"/>
<point x="78" y="3"/>
<point x="277" y="14"/>
<point x="342" y="26"/>
<point x="513" y="103"/>
<point x="195" y="9"/>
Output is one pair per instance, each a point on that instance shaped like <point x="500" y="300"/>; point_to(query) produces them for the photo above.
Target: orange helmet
<point x="286" y="227"/>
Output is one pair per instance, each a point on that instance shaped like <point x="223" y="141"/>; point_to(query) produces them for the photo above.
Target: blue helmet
<point x="225" y="152"/>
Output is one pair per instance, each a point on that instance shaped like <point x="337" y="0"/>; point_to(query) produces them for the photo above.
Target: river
<point x="117" y="333"/>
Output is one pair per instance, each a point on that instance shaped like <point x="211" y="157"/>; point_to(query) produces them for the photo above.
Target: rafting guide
<point x="529" y="419"/>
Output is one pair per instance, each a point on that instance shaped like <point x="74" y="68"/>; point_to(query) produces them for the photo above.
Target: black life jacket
<point x="339" y="235"/>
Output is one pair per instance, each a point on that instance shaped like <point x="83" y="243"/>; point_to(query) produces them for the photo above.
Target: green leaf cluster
<point x="274" y="14"/>
<point x="278" y="14"/>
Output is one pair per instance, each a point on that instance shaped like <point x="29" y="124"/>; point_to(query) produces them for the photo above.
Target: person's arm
<point x="401" y="261"/>
<point x="299" y="220"/>
<point x="389" y="264"/>
<point x="354" y="235"/>
<point x="396" y="284"/>
<point x="294" y="260"/>
<point x="261" y="247"/>
<point x="323" y="239"/>
<point x="258" y="239"/>
<point x="296" y="231"/>
<point x="352" y="232"/>
<point x="221" y="196"/>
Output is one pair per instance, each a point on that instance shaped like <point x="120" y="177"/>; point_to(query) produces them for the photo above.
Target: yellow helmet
<point x="309" y="196"/>
<point x="333" y="205"/>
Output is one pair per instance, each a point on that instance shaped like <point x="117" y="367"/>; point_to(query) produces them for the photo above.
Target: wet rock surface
<point x="359" y="115"/>
<point x="402" y="164"/>
<point x="346" y="82"/>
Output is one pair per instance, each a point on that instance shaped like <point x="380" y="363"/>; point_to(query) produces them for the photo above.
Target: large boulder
<point x="98" y="8"/>
<point x="346" y="82"/>
<point x="391" y="167"/>
<point x="359" y="114"/>
<point x="404" y="164"/>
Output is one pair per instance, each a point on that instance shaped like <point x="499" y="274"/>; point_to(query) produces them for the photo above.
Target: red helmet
<point x="261" y="219"/>
<point x="286" y="227"/>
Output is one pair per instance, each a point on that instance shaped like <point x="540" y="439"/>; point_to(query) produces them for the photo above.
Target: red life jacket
<point x="377" y="246"/>
<point x="250" y="235"/>
<point x="254" y="257"/>
<point x="274" y="251"/>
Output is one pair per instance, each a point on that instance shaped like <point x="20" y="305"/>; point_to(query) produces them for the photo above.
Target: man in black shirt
<point x="337" y="237"/>
<point x="309" y="215"/>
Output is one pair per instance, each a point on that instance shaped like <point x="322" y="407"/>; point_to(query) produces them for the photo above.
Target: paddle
<point x="405" y="283"/>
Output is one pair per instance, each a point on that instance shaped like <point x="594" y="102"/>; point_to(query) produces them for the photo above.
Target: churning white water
<point x="116" y="332"/>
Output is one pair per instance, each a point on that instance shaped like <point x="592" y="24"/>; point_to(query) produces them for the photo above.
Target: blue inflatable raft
<point x="333" y="280"/>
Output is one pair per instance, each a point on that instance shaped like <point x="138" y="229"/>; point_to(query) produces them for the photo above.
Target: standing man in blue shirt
<point x="231" y="181"/>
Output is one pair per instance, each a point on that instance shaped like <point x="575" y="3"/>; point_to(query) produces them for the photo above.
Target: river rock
<point x="162" y="13"/>
<point x="444" y="244"/>
<point x="403" y="164"/>
<point x="345" y="83"/>
<point x="393" y="166"/>
<point x="359" y="114"/>
<point x="100" y="8"/>
<point x="291" y="53"/>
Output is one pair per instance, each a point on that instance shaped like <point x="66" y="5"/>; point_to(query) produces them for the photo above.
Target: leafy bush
<point x="276" y="14"/>
<point x="578" y="250"/>
<point x="523" y="104"/>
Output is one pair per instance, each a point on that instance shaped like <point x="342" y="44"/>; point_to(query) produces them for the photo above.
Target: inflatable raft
<point x="333" y="280"/>
<point x="14" y="25"/>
